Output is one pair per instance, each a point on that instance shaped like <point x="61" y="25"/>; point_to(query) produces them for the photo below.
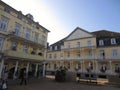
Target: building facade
<point x="83" y="51"/>
<point x="22" y="42"/>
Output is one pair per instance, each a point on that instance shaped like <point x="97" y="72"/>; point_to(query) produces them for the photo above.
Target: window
<point x="113" y="41"/>
<point x="117" y="68"/>
<point x="68" y="65"/>
<point x="7" y="9"/>
<point x="101" y="42"/>
<point x="55" y="56"/>
<point x="78" y="54"/>
<point x="27" y="35"/>
<point x="36" y="37"/>
<point x="17" y="29"/>
<point x="55" y="47"/>
<point x="78" y="44"/>
<point x="49" y="65"/>
<point x="55" y="66"/>
<point x="114" y="52"/>
<point x="1" y="42"/>
<point x="4" y="23"/>
<point x="90" y="53"/>
<point x="43" y="40"/>
<point x="61" y="55"/>
<point x="68" y="45"/>
<point x="68" y="54"/>
<point x="79" y="66"/>
<point x="25" y="49"/>
<point x="50" y="56"/>
<point x="89" y="42"/>
<point x="14" y="46"/>
<point x="51" y="48"/>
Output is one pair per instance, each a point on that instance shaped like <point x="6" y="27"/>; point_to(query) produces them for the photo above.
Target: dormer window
<point x="51" y="48"/>
<point x="56" y="47"/>
<point x="68" y="45"/>
<point x="101" y="42"/>
<point x="113" y="41"/>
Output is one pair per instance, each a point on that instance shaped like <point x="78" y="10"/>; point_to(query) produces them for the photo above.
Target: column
<point x="36" y="70"/>
<point x="15" y="71"/>
<point x="1" y="67"/>
<point x="83" y="65"/>
<point x="96" y="67"/>
<point x="27" y="67"/>
<point x="71" y="65"/>
<point x="110" y="67"/>
<point x="81" y="70"/>
<point x="43" y="69"/>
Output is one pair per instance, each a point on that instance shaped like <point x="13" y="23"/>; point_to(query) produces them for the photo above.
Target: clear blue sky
<point x="61" y="17"/>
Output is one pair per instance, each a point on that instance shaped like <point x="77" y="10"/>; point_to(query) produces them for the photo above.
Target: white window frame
<point x="89" y="43"/>
<point x="13" y="44"/>
<point x="78" y="54"/>
<point x="17" y="29"/>
<point x="4" y="23"/>
<point x="27" y="34"/>
<point x="68" y="45"/>
<point x="113" y="41"/>
<point x="56" y="47"/>
<point x="90" y="53"/>
<point x="78" y="44"/>
<point x="1" y="43"/>
<point x="36" y="37"/>
<point x="43" y="39"/>
<point x="114" y="52"/>
<point x="68" y="54"/>
<point x="25" y="49"/>
<point x="101" y="42"/>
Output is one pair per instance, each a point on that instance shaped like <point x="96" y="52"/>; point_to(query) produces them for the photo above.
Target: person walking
<point x="23" y="77"/>
<point x="4" y="80"/>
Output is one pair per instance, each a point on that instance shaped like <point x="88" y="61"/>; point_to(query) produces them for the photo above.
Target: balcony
<point x="30" y="40"/>
<point x="76" y="47"/>
<point x="23" y="56"/>
<point x="88" y="58"/>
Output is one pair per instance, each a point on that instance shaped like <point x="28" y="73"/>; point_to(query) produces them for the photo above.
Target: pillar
<point x="36" y="70"/>
<point x="96" y="66"/>
<point x="1" y="67"/>
<point x="110" y="67"/>
<point x="27" y="67"/>
<point x="83" y="66"/>
<point x="43" y="69"/>
<point x="15" y="71"/>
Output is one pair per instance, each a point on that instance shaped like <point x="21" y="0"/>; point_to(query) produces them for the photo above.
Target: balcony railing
<point x="30" y="40"/>
<point x="16" y="54"/>
<point x="99" y="58"/>
<point x="76" y="47"/>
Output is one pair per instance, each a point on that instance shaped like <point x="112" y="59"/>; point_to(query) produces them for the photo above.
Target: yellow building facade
<point x="22" y="41"/>
<point x="82" y="52"/>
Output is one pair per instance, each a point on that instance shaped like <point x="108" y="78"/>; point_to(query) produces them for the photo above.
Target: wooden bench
<point x="89" y="78"/>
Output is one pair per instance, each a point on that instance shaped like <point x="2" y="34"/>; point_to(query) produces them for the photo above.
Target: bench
<point x="89" y="78"/>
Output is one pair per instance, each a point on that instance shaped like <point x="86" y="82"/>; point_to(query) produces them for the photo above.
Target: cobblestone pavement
<point x="49" y="84"/>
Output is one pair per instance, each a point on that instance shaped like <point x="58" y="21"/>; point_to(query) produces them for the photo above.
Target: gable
<point x="79" y="33"/>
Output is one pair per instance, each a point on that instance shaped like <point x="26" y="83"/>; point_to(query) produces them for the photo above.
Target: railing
<point x="22" y="36"/>
<point x="81" y="47"/>
<point x="16" y="54"/>
<point x="99" y="58"/>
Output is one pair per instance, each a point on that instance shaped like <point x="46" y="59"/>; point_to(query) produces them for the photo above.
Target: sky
<point x="61" y="17"/>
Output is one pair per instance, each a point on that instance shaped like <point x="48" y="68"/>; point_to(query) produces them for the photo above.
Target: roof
<point x="106" y="33"/>
<point x="19" y="12"/>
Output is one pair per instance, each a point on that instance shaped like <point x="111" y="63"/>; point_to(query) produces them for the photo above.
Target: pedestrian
<point x="4" y="80"/>
<point x="23" y="77"/>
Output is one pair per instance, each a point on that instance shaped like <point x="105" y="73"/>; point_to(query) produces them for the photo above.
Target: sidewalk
<point x="50" y="84"/>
